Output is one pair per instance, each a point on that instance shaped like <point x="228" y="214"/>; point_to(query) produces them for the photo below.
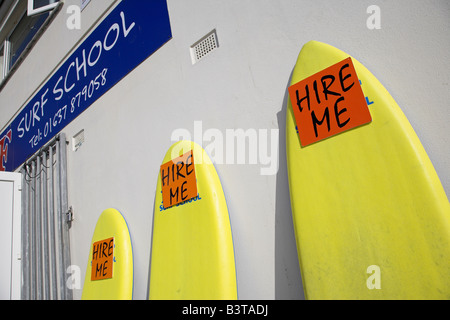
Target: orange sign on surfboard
<point x="178" y="180"/>
<point x="328" y="103"/>
<point x="102" y="259"/>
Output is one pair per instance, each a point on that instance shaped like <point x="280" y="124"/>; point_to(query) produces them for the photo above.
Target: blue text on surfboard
<point x="161" y="207"/>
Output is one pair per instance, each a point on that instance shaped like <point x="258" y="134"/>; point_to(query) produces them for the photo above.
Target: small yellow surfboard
<point x="109" y="273"/>
<point x="371" y="218"/>
<point x="192" y="249"/>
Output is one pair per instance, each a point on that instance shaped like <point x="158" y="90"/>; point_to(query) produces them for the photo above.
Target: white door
<point x="10" y="235"/>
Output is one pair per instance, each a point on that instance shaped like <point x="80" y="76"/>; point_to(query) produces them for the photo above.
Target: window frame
<point x="32" y="11"/>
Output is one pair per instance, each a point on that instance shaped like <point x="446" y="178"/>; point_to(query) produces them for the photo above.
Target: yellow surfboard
<point x="371" y="218"/>
<point x="109" y="273"/>
<point x="192" y="249"/>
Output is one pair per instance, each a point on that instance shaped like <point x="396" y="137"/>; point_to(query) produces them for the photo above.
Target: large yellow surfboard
<point x="192" y="249"/>
<point x="109" y="272"/>
<point x="371" y="218"/>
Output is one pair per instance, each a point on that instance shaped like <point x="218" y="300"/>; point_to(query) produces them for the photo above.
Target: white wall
<point x="243" y="84"/>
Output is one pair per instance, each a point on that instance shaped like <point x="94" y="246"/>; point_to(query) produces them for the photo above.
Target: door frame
<point x="16" y="239"/>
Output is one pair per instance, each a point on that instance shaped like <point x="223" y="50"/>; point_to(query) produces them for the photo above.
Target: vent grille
<point x="78" y="140"/>
<point x="204" y="47"/>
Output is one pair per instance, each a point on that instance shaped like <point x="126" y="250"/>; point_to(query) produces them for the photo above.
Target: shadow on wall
<point x="288" y="281"/>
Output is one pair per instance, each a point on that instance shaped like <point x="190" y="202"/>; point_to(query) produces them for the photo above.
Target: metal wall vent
<point x="78" y="140"/>
<point x="204" y="46"/>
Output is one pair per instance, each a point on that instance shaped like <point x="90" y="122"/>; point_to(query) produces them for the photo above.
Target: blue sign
<point x="126" y="37"/>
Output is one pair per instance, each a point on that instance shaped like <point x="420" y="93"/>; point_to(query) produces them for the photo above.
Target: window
<point x="20" y="26"/>
<point x="22" y="35"/>
<point x="2" y="63"/>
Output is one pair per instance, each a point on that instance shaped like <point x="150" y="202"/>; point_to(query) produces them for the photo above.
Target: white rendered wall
<point x="243" y="84"/>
